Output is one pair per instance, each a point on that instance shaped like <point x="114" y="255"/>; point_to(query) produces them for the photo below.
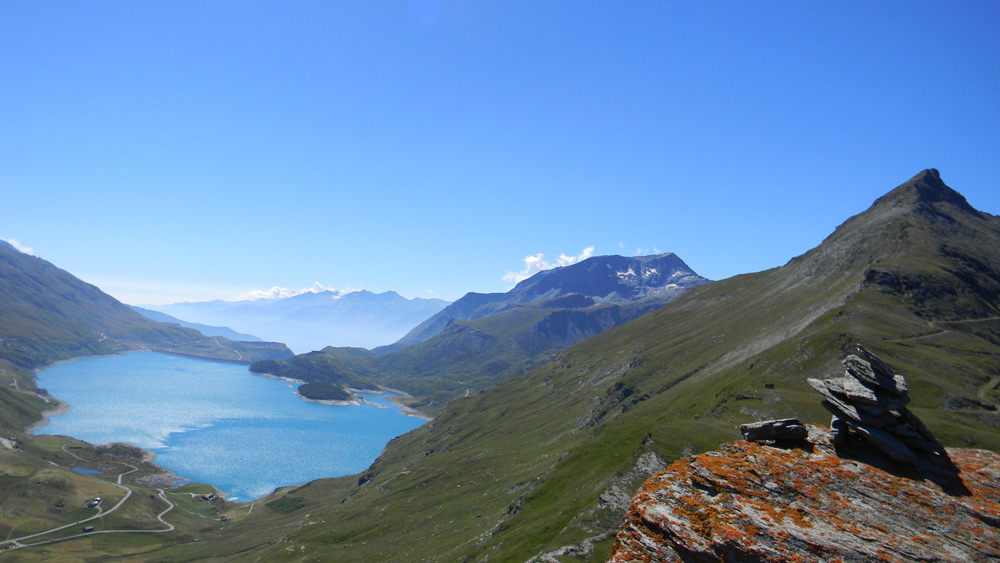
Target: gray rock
<point x="839" y="430"/>
<point x="818" y="508"/>
<point x="875" y="362"/>
<point x="914" y="440"/>
<point x="886" y="442"/>
<point x="783" y="429"/>
<point x="865" y="373"/>
<point x="871" y="400"/>
<point x="857" y="391"/>
<point x="838" y="404"/>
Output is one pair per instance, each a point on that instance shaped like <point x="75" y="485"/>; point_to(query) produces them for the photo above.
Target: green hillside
<point x="545" y="464"/>
<point x="47" y="315"/>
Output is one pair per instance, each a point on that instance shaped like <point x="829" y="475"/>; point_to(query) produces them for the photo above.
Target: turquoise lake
<point x="217" y="423"/>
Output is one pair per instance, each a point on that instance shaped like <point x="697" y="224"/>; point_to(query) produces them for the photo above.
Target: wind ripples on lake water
<point x="217" y="423"/>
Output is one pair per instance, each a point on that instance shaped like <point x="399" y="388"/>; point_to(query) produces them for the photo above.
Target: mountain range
<point x="483" y="339"/>
<point x="596" y="280"/>
<point x="542" y="466"/>
<point x="312" y="321"/>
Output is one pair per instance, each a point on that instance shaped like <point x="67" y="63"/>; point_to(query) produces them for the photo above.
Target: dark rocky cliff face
<point x="754" y="502"/>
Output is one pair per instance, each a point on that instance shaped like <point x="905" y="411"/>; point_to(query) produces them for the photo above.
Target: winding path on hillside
<point x="990" y="385"/>
<point x="940" y="330"/>
<point x="16" y="543"/>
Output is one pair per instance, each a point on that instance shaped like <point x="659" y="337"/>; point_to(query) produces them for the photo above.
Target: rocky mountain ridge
<point x="596" y="280"/>
<point x="487" y="338"/>
<point x="207" y="330"/>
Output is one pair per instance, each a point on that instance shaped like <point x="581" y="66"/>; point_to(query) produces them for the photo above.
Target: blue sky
<point x="172" y="151"/>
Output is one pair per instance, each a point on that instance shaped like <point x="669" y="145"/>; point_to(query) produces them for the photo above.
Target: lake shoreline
<point x="406" y="409"/>
<point x="255" y="432"/>
<point x="397" y="400"/>
<point x="61" y="407"/>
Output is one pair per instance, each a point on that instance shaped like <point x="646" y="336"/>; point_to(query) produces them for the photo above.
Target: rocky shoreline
<point x="356" y="401"/>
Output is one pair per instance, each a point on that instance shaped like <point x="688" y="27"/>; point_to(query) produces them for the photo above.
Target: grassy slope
<point x="538" y="464"/>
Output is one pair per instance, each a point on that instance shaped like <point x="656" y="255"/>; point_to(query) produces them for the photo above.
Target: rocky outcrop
<point x="774" y="430"/>
<point x="878" y="485"/>
<point x="870" y="400"/>
<point x="818" y="502"/>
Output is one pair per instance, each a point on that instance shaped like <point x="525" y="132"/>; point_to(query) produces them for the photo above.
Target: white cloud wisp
<point x="278" y="292"/>
<point x="537" y="263"/>
<point x="20" y="247"/>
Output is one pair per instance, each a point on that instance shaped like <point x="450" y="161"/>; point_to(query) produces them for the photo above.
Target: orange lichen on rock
<point x="748" y="501"/>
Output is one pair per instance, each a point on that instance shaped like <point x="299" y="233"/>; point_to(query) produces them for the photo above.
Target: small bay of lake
<point x="217" y="423"/>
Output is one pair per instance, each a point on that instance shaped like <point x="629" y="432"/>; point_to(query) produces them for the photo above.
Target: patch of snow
<point x="628" y="274"/>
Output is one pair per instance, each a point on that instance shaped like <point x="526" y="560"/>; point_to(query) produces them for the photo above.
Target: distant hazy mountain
<point x="596" y="280"/>
<point x="312" y="321"/>
<point x="207" y="330"/>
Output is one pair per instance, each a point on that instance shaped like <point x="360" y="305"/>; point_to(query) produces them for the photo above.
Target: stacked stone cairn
<point x="870" y="401"/>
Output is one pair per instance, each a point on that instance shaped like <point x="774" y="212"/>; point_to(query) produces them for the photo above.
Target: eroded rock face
<point x="752" y="502"/>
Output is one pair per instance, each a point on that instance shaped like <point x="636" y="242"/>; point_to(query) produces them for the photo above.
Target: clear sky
<point x="181" y="150"/>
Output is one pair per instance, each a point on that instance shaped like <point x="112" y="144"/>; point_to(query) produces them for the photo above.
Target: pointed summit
<point x="925" y="189"/>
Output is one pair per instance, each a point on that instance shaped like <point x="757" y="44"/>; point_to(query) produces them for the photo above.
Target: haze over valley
<point x="312" y="321"/>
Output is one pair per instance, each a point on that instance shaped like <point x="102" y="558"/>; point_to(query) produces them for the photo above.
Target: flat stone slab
<point x="865" y="373"/>
<point x="914" y="440"/>
<point x="782" y="429"/>
<point x="838" y="404"/>
<point x="875" y="362"/>
<point x="857" y="390"/>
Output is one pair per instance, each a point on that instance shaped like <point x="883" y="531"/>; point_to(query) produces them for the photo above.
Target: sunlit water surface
<point x="217" y="423"/>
